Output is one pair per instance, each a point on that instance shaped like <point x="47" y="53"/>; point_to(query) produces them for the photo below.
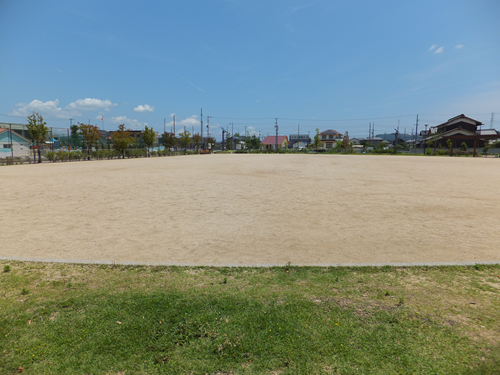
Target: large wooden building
<point x="460" y="129"/>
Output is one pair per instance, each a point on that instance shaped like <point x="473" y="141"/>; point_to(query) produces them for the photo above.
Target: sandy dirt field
<point x="254" y="210"/>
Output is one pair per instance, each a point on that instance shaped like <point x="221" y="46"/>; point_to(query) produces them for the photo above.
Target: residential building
<point x="460" y="129"/>
<point x="269" y="143"/>
<point x="295" y="139"/>
<point x="12" y="143"/>
<point x="329" y="138"/>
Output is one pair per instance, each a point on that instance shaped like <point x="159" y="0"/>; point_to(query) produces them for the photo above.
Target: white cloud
<point x="439" y="50"/>
<point x="90" y="104"/>
<point x="144" y="108"/>
<point x="172" y="114"/>
<point x="459" y="46"/>
<point x="432" y="47"/>
<point x="132" y="123"/>
<point x="49" y="108"/>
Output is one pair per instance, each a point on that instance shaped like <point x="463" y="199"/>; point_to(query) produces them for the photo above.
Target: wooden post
<point x="475" y="144"/>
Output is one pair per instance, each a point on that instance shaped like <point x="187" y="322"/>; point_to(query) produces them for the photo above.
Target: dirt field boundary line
<point x="111" y="262"/>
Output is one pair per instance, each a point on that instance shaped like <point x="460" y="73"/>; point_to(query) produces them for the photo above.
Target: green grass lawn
<point x="94" y="319"/>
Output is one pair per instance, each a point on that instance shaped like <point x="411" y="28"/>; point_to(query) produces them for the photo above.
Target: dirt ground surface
<point x="254" y="209"/>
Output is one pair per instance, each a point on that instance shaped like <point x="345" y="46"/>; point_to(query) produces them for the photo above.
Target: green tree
<point x="317" y="140"/>
<point x="185" y="138"/>
<point x="75" y="137"/>
<point x="169" y="141"/>
<point x="91" y="136"/>
<point x="463" y="146"/>
<point x="197" y="140"/>
<point x="149" y="138"/>
<point x="122" y="139"/>
<point x="37" y="131"/>
<point x="255" y="142"/>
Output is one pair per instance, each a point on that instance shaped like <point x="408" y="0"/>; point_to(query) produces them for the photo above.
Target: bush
<point x="62" y="156"/>
<point x="51" y="156"/>
<point x="76" y="155"/>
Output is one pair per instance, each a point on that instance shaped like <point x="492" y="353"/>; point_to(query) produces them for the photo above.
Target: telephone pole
<point x="201" y="121"/>
<point x="276" y="126"/>
<point x="396" y="140"/>
<point x="416" y="131"/>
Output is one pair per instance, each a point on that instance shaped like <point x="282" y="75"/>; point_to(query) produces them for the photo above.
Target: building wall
<point x="19" y="149"/>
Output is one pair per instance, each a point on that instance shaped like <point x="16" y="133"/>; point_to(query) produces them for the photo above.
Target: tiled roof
<point x="271" y="139"/>
<point x="459" y="117"/>
<point x="330" y="131"/>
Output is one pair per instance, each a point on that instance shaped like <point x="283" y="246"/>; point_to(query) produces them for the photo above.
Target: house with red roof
<point x="270" y="141"/>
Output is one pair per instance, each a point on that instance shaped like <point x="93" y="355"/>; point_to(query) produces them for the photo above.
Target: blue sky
<point x="321" y="64"/>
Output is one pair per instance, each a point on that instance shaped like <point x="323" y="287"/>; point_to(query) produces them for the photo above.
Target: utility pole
<point x="425" y="134"/>
<point x="11" y="144"/>
<point x="492" y="120"/>
<point x="276" y="126"/>
<point x="396" y="140"/>
<point x="370" y="131"/>
<point x="416" y="131"/>
<point x="175" y="147"/>
<point x="223" y="131"/>
<point x="373" y="130"/>
<point x="208" y="126"/>
<point x="232" y="135"/>
<point x="201" y="121"/>
<point x="70" y="125"/>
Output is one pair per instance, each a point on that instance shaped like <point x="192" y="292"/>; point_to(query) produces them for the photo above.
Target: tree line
<point x="87" y="137"/>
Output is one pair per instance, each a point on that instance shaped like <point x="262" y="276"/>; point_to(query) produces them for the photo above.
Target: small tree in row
<point x="185" y="138"/>
<point x="197" y="141"/>
<point x="169" y="140"/>
<point x="91" y="136"/>
<point x="122" y="139"/>
<point x="37" y="131"/>
<point x="149" y="138"/>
